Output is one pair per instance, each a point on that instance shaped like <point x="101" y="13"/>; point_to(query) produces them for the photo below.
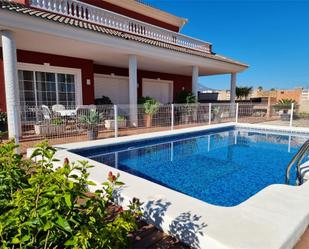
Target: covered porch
<point x="47" y="63"/>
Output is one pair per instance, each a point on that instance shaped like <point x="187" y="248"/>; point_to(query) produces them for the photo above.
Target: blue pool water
<point x="223" y="167"/>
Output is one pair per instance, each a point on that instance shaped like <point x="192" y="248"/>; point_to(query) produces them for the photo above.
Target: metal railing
<point x="90" y="13"/>
<point x="298" y="158"/>
<point x="82" y="123"/>
<point x="77" y="123"/>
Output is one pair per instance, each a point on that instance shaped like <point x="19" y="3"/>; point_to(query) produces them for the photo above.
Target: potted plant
<point x="3" y="121"/>
<point x="55" y="127"/>
<point x="186" y="98"/>
<point x="151" y="107"/>
<point x="110" y="123"/>
<point x="284" y="108"/>
<point x="91" y="121"/>
<point x="215" y="113"/>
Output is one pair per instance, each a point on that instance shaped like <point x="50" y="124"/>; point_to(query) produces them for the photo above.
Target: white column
<point x="133" y="89"/>
<point x="236" y="114"/>
<point x="195" y="74"/>
<point x="172" y="116"/>
<point x="116" y="120"/>
<point x="11" y="83"/>
<point x="233" y="88"/>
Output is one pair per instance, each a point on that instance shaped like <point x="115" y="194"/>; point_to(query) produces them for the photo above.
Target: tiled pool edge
<point x="274" y="218"/>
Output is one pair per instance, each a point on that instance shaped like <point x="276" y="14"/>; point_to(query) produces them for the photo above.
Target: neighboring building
<point x="214" y="95"/>
<point x="70" y="52"/>
<point x="304" y="101"/>
<point x="294" y="94"/>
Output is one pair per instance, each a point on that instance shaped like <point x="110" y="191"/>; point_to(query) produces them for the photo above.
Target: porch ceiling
<point x="44" y="36"/>
<point x="38" y="42"/>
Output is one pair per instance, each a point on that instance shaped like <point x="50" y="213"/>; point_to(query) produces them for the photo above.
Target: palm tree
<point x="243" y="92"/>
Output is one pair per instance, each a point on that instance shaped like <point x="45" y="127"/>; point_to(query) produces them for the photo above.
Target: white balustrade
<point x="90" y="13"/>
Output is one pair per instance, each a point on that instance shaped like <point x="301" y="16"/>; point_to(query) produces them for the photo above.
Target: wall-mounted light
<point x="183" y="88"/>
<point x="88" y="82"/>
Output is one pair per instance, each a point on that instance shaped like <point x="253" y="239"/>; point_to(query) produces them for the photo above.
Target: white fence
<point x="91" y="122"/>
<point x="82" y="122"/>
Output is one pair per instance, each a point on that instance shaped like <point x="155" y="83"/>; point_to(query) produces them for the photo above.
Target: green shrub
<point x="91" y="119"/>
<point x="121" y="118"/>
<point x="185" y="97"/>
<point x="151" y="105"/>
<point x="43" y="207"/>
<point x="57" y="121"/>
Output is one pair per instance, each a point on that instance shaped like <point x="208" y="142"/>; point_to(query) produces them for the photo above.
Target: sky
<point x="271" y="36"/>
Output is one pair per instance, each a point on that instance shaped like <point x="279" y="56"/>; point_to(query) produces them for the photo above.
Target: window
<point x="46" y="88"/>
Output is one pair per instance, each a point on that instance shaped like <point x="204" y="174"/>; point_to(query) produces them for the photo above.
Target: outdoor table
<point x="66" y="113"/>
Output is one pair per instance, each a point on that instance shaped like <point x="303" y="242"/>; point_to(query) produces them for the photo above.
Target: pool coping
<point x="275" y="217"/>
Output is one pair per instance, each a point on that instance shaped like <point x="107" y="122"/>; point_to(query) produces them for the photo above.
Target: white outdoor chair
<point x="47" y="115"/>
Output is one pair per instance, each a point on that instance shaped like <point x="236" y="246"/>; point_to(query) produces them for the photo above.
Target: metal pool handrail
<point x="299" y="156"/>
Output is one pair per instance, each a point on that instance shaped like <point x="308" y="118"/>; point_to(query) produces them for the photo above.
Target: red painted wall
<point x="86" y="67"/>
<point x="26" y="2"/>
<point x="180" y="81"/>
<point x="87" y="70"/>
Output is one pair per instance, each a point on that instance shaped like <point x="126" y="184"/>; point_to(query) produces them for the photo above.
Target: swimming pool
<point x="221" y="166"/>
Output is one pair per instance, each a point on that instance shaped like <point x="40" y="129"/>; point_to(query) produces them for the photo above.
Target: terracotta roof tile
<point x="22" y="9"/>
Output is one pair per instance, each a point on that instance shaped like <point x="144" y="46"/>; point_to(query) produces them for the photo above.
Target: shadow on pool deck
<point x="185" y="226"/>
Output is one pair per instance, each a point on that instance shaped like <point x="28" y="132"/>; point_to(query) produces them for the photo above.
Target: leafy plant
<point x="284" y="104"/>
<point x="12" y="174"/>
<point x="57" y="121"/>
<point x="44" y="207"/>
<point x="185" y="97"/>
<point x="286" y="101"/>
<point x="91" y="119"/>
<point x="151" y="105"/>
<point x="121" y="118"/>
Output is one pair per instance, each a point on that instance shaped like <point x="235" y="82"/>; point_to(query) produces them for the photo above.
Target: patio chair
<point x="47" y="115"/>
